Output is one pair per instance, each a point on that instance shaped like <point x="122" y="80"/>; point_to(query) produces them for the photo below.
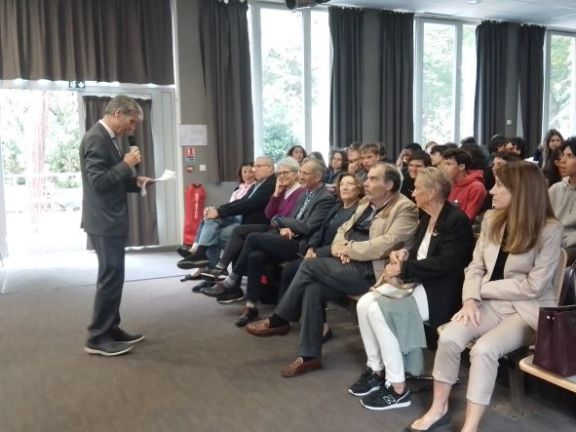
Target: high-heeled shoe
<point x="442" y="421"/>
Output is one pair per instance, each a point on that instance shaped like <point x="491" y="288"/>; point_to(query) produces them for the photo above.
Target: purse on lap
<point x="556" y="340"/>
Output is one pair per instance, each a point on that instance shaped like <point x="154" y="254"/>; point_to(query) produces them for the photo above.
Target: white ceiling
<point x="557" y="14"/>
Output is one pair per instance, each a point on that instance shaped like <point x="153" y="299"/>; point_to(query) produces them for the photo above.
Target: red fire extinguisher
<point x="193" y="212"/>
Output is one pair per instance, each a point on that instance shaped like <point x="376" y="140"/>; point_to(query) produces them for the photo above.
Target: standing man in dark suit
<point x="107" y="175"/>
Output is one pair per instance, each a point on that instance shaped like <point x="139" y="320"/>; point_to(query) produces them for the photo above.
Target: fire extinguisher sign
<point x="189" y="154"/>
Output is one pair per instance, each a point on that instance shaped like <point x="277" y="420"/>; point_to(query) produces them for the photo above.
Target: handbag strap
<point x="568" y="292"/>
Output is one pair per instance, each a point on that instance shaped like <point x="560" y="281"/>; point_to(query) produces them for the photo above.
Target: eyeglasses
<point x="260" y="165"/>
<point x="283" y="173"/>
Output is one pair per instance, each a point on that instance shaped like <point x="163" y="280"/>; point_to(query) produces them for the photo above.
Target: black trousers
<point x="260" y="249"/>
<point x="236" y="242"/>
<point x="106" y="316"/>
<point x="318" y="281"/>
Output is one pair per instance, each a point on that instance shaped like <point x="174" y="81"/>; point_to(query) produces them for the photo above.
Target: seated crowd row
<point x="356" y="236"/>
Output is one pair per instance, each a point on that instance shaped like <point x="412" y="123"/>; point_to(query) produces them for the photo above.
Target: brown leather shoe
<point x="262" y="328"/>
<point x="299" y="366"/>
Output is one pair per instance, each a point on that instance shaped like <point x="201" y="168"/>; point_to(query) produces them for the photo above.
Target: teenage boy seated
<point x="468" y="190"/>
<point x="370" y="155"/>
<point x="416" y="161"/>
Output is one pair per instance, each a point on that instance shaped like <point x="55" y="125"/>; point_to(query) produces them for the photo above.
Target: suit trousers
<point x="317" y="281"/>
<point x="260" y="249"/>
<point x="501" y="331"/>
<point x="106" y="315"/>
<point x="236" y="241"/>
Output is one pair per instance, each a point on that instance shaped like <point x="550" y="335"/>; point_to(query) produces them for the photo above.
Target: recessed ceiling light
<point x="473" y="2"/>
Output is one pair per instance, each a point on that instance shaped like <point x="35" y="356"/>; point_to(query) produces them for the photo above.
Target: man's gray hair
<point x="266" y="160"/>
<point x="290" y="163"/>
<point x="318" y="167"/>
<point x="125" y="104"/>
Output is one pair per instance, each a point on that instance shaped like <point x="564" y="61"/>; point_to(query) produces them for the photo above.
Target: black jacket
<point x="442" y="271"/>
<point x="251" y="207"/>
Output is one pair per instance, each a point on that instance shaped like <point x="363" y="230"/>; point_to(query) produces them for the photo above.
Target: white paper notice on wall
<point x="192" y="135"/>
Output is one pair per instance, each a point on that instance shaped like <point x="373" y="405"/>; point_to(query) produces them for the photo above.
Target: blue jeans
<point x="214" y="234"/>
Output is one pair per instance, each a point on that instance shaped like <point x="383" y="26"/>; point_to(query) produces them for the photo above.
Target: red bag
<point x="193" y="212"/>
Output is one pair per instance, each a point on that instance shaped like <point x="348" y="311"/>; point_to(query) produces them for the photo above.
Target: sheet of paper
<point x="166" y="175"/>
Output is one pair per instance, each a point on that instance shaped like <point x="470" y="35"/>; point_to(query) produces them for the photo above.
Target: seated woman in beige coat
<point x="509" y="279"/>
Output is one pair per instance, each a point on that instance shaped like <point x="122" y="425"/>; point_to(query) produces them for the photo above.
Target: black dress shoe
<point x="188" y="263"/>
<point x="183" y="252"/>
<point x="442" y="421"/>
<point x="120" y="335"/>
<point x="249" y="314"/>
<point x="108" y="349"/>
<point x="327" y="336"/>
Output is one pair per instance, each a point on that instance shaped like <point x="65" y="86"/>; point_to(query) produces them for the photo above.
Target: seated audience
<point x="547" y="155"/>
<point x="563" y="197"/>
<point x="437" y="151"/>
<point x="297" y="152"/>
<point x="404" y="156"/>
<point x="384" y="221"/>
<point x="213" y="233"/>
<point x="338" y="164"/>
<point x="509" y="279"/>
<point x="370" y="155"/>
<point x="417" y="161"/>
<point x="291" y="236"/>
<point x="389" y="329"/>
<point x="468" y="190"/>
<point x="354" y="160"/>
<point x="282" y="202"/>
<point x="349" y="191"/>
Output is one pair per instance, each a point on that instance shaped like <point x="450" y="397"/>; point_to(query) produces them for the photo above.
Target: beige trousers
<point x="501" y="331"/>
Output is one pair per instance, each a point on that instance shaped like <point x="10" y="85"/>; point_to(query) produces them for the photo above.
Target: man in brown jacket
<point x="384" y="220"/>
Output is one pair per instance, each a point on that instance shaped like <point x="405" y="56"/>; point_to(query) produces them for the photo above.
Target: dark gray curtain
<point x="346" y="91"/>
<point x="129" y="41"/>
<point x="226" y="60"/>
<point x="531" y="82"/>
<point x="490" y="101"/>
<point x="397" y="74"/>
<point x="141" y="211"/>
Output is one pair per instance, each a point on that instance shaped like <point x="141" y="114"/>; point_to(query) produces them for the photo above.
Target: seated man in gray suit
<point x="384" y="220"/>
<point x="285" y="242"/>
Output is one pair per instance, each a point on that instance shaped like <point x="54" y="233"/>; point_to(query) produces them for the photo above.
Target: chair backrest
<point x="559" y="276"/>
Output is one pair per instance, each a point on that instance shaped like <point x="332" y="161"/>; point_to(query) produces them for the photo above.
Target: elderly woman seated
<point x="391" y="327"/>
<point x="509" y="279"/>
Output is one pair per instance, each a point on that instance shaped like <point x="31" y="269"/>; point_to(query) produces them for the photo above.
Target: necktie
<point x="304" y="205"/>
<point x="114" y="140"/>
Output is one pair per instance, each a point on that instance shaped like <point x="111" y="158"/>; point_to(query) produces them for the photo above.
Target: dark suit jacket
<point x="105" y="181"/>
<point x="442" y="271"/>
<point x="251" y="208"/>
<point x="314" y="214"/>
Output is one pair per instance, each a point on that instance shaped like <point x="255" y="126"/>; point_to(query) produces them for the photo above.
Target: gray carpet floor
<point x="195" y="371"/>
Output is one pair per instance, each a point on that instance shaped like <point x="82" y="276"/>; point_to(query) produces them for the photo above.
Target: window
<point x="290" y="79"/>
<point x="445" y="79"/>
<point x="560" y="81"/>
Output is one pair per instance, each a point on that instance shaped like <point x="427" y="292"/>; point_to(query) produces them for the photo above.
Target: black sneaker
<point x="386" y="398"/>
<point x="202" y="285"/>
<point x="120" y="335"/>
<point x="214" y="291"/>
<point x="214" y="274"/>
<point x="249" y="314"/>
<point x="366" y="384"/>
<point x="183" y="252"/>
<point x="108" y="349"/>
<point x="231" y="296"/>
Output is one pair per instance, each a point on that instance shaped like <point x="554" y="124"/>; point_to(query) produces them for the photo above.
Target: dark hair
<point x="359" y="183"/>
<point x="355" y="146"/>
<point x="460" y="156"/>
<point x="239" y="173"/>
<point x="413" y="146"/>
<point x="291" y="151"/>
<point x="520" y="144"/>
<point x="391" y="173"/>
<point x="344" y="156"/>
<point x="438" y="148"/>
<point x="507" y="156"/>
<point x="468" y="140"/>
<point x="421" y="155"/>
<point x="375" y="148"/>
<point x="551" y="133"/>
<point x="476" y="154"/>
<point x="495" y="142"/>
<point x="570" y="142"/>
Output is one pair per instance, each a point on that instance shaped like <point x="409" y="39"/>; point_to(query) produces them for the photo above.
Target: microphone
<point x="132" y="144"/>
